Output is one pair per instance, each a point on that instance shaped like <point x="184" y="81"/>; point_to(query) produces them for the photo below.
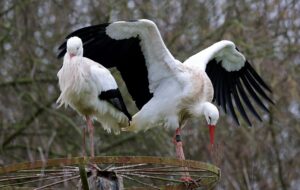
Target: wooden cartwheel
<point x="135" y="172"/>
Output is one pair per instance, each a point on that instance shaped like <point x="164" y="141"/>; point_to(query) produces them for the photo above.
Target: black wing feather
<point x="218" y="87"/>
<point x="239" y="105"/>
<point x="228" y="87"/>
<point x="253" y="94"/>
<point x="210" y="70"/>
<point x="246" y="99"/>
<point x="257" y="77"/>
<point x="257" y="87"/>
<point x="223" y="98"/>
<point x="221" y="94"/>
<point x="114" y="97"/>
<point x="126" y="55"/>
<point x="230" y="105"/>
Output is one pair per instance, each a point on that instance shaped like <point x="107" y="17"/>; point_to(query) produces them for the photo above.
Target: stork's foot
<point x="94" y="169"/>
<point x="186" y="179"/>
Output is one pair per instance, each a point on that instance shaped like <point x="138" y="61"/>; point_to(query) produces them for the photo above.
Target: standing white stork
<point x="169" y="92"/>
<point x="90" y="89"/>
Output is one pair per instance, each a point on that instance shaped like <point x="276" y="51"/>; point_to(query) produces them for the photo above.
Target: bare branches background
<point x="265" y="156"/>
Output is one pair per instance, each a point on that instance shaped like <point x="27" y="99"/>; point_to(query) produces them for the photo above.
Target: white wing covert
<point x="102" y="78"/>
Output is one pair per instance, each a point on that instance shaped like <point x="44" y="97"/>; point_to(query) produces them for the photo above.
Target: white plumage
<point x="169" y="92"/>
<point x="178" y="89"/>
<point x="224" y="52"/>
<point x="82" y="82"/>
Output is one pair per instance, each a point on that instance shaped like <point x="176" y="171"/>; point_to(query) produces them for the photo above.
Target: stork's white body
<point x="175" y="101"/>
<point x="81" y="80"/>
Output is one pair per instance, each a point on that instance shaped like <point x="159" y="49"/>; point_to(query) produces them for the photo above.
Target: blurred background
<point x="265" y="156"/>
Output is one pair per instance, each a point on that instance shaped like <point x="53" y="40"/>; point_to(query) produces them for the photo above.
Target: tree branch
<point x="24" y="81"/>
<point x="23" y="125"/>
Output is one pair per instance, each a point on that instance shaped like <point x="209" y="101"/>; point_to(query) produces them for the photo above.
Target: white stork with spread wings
<point x="169" y="92"/>
<point x="91" y="90"/>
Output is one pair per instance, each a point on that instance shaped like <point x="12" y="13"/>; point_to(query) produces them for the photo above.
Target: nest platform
<point x="128" y="172"/>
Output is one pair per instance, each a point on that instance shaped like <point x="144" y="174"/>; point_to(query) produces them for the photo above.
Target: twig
<point x="161" y="174"/>
<point x="148" y="169"/>
<point x="24" y="81"/>
<point x="23" y="125"/>
<point x="32" y="181"/>
<point x="151" y="177"/>
<point x="55" y="183"/>
<point x="140" y="182"/>
<point x="119" y="142"/>
<point x="123" y="167"/>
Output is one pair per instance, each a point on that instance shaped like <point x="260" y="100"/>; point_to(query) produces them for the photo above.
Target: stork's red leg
<point x="178" y="143"/>
<point x="180" y="154"/>
<point x="91" y="133"/>
<point x="83" y="141"/>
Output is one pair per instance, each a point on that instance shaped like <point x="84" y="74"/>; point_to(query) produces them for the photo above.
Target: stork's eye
<point x="77" y="48"/>
<point x="209" y="118"/>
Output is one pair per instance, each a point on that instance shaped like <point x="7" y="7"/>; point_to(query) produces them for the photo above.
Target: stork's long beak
<point x="212" y="134"/>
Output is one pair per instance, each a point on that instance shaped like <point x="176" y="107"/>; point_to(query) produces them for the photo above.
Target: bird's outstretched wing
<point x="233" y="79"/>
<point x="135" y="48"/>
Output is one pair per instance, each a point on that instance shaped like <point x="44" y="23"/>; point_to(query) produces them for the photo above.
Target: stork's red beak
<point x="212" y="134"/>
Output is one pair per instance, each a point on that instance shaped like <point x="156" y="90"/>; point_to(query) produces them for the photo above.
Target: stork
<point x="91" y="90"/>
<point x="169" y="92"/>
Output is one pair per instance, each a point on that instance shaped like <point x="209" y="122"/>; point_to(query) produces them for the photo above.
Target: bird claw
<point x="127" y="129"/>
<point x="186" y="179"/>
<point x="94" y="169"/>
<point x="132" y="128"/>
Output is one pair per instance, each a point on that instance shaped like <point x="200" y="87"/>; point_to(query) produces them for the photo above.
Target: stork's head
<point x="74" y="47"/>
<point x="211" y="114"/>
